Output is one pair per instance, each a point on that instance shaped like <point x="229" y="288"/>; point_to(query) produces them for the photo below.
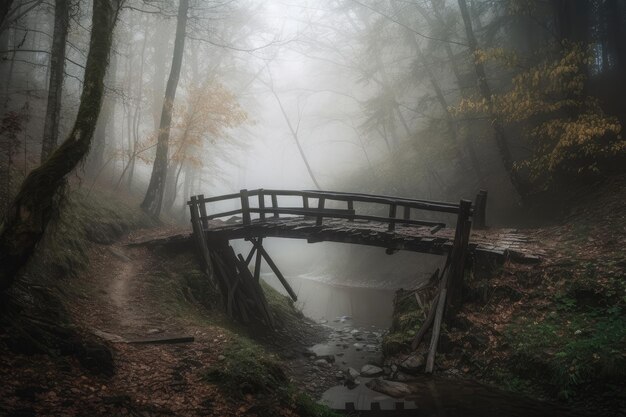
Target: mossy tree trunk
<point x="57" y="73"/>
<point x="154" y="195"/>
<point x="30" y="212"/>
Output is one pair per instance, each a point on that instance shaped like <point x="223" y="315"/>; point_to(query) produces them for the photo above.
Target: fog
<point x="347" y="95"/>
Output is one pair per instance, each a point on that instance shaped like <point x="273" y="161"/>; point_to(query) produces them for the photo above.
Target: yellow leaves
<point x="204" y="118"/>
<point x="470" y="106"/>
<point x="569" y="130"/>
<point x="587" y="138"/>
<point x="503" y="56"/>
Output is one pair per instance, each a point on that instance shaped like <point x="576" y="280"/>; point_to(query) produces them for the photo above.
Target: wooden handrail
<point x="323" y="197"/>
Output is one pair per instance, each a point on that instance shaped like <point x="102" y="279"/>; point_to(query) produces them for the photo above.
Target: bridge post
<point x="350" y="207"/>
<point x="458" y="255"/>
<point x="392" y="215"/>
<point x="407" y="213"/>
<point x="257" y="262"/>
<point x="202" y="207"/>
<point x="245" y="206"/>
<point x="261" y="204"/>
<point x="320" y="206"/>
<point x="275" y="204"/>
<point x="480" y="210"/>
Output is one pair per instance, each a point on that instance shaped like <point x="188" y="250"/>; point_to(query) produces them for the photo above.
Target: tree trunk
<point x="485" y="91"/>
<point x="5" y="6"/>
<point x="106" y="123"/>
<point x="616" y="34"/>
<point x="158" y="80"/>
<point x="169" y="195"/>
<point x="57" y="73"/>
<point x="26" y="221"/>
<point x="154" y="195"/>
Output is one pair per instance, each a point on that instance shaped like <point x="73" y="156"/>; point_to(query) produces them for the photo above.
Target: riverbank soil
<point x="141" y="332"/>
<point x="551" y="330"/>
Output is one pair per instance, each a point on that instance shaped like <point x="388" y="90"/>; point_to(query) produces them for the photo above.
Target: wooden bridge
<point x="392" y="223"/>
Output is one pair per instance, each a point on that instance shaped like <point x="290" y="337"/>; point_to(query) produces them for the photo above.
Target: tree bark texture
<point x="106" y="123"/>
<point x="154" y="195"/>
<point x="5" y="6"/>
<point x="57" y="74"/>
<point x="30" y="212"/>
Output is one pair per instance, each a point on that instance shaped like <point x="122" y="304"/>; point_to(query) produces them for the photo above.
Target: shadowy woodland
<point x="113" y="113"/>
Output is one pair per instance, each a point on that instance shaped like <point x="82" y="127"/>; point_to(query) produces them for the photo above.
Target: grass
<point x="247" y="369"/>
<point x="83" y="220"/>
<point x="580" y="341"/>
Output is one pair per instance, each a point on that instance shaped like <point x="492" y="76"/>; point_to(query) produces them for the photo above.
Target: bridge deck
<point x="496" y="243"/>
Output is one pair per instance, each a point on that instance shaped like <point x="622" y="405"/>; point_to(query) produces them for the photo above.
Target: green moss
<point x="283" y="309"/>
<point x="247" y="369"/>
<point x="572" y="349"/>
<point x="306" y="407"/>
<point x="407" y="318"/>
<point x="83" y="220"/>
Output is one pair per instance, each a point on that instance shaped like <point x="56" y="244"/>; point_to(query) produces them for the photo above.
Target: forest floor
<point x="554" y="330"/>
<point x="131" y="293"/>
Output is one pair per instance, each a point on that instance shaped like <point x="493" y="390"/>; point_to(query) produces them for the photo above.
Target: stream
<point x="357" y="319"/>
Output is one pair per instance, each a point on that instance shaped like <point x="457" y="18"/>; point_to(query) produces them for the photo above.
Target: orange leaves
<point x="205" y="117"/>
<point x="569" y="131"/>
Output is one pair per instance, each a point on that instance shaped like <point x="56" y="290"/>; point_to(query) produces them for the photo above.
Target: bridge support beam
<point x="258" y="244"/>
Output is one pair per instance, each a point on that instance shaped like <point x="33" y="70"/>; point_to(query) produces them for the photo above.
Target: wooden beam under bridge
<point x="261" y="252"/>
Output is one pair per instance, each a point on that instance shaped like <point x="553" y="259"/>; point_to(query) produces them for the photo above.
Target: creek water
<point x="357" y="319"/>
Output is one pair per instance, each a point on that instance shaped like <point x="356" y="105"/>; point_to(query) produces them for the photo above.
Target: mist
<point x="296" y="207"/>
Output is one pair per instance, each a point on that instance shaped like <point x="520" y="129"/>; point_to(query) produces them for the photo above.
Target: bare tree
<point x="293" y="130"/>
<point x="154" y="195"/>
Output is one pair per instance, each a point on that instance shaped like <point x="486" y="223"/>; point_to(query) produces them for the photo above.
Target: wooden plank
<point x="426" y="324"/>
<point x="161" y="340"/>
<point x="250" y="255"/>
<point x="367" y="198"/>
<point x="351" y="208"/>
<point x="223" y="214"/>
<point x="257" y="263"/>
<point x="299" y="211"/>
<point x="392" y="216"/>
<point x="200" y="237"/>
<point x="434" y="341"/>
<point x="245" y="206"/>
<point x="255" y="290"/>
<point x="261" y="204"/>
<point x="275" y="204"/>
<point x="320" y="205"/>
<point x="461" y="239"/>
<point x="202" y="207"/>
<point x="277" y="272"/>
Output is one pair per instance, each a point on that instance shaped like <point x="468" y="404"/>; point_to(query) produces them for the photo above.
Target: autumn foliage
<point x="568" y="131"/>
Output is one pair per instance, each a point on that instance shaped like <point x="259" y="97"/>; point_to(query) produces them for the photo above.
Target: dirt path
<point x="164" y="378"/>
<point x="115" y="299"/>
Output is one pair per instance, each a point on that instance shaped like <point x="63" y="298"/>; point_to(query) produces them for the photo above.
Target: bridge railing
<point x="314" y="204"/>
